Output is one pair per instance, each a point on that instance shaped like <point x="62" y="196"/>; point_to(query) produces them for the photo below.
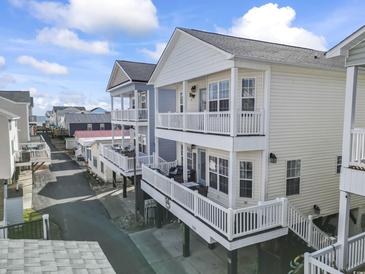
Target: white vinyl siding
<point x="356" y="55"/>
<point x="191" y="58"/>
<point x="304" y="125"/>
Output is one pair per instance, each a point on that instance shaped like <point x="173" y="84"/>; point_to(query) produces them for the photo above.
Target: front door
<point x="202" y="99"/>
<point x="201" y="167"/>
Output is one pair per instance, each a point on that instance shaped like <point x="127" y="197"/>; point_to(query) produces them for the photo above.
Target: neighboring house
<point x="86" y="121"/>
<point x="98" y="110"/>
<point x="96" y="164"/>
<point x="8" y="152"/>
<point x="258" y="129"/>
<point x="347" y="255"/>
<point x="56" y="117"/>
<point x="84" y="139"/>
<point x="132" y="105"/>
<point x="20" y="103"/>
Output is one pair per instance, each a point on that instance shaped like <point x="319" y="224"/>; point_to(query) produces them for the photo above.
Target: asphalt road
<point x="71" y="204"/>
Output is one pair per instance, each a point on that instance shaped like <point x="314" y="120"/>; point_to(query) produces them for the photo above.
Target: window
<point x="218" y="174"/>
<point x="246" y="172"/>
<point x="181" y="101"/>
<point x="143" y="100"/>
<point x="142" y="143"/>
<point x="219" y="96"/>
<point x="102" y="126"/>
<point x="248" y="94"/>
<point x="95" y="162"/>
<point x="88" y="154"/>
<point x="102" y="167"/>
<point x="339" y="164"/>
<point x="293" y="177"/>
<point x="181" y="154"/>
<point x="189" y="158"/>
<point x="89" y="127"/>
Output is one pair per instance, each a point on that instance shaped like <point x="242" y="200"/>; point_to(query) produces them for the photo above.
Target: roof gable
<point x="17" y="96"/>
<point x="117" y="77"/>
<point x="186" y="57"/>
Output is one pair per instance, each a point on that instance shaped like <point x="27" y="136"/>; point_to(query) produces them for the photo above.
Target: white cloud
<point x="132" y="16"/>
<point x="69" y="39"/>
<point x="156" y="53"/>
<point x="17" y="3"/>
<point x="6" y="80"/>
<point x="42" y="65"/>
<point x="2" y="61"/>
<point x="273" y="23"/>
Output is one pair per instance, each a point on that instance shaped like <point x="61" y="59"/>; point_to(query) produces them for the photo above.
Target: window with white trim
<point x="248" y="94"/>
<point x="102" y="126"/>
<point x="218" y="174"/>
<point x="246" y="179"/>
<point x="293" y="177"/>
<point x="339" y="164"/>
<point x="89" y="127"/>
<point x="101" y="167"/>
<point x="218" y="96"/>
<point x="95" y="162"/>
<point x="189" y="158"/>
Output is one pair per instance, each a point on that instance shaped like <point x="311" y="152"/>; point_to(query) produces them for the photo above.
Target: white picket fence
<point x="235" y="223"/>
<point x="248" y="122"/>
<point x="326" y="260"/>
<point x="140" y="114"/>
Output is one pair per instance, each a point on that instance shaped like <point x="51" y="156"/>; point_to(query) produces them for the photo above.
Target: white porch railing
<point x="248" y="123"/>
<point x="326" y="260"/>
<point x="357" y="147"/>
<point x="140" y="114"/>
<point x="234" y="223"/>
<point x="35" y="151"/>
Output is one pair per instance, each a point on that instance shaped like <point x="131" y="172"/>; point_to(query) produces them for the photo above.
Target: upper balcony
<point x="33" y="152"/>
<point x="130" y="115"/>
<point x="248" y="122"/>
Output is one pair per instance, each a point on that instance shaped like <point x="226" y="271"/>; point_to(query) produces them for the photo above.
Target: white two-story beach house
<point x="132" y="107"/>
<point x="258" y="132"/>
<point x="348" y="254"/>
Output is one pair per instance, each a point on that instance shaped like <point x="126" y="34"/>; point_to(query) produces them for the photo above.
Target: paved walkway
<point x="72" y="204"/>
<point x="162" y="249"/>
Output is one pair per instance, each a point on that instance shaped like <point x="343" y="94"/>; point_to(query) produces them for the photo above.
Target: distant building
<point x="56" y="117"/>
<point x="19" y="103"/>
<point x="86" y="121"/>
<point x="98" y="110"/>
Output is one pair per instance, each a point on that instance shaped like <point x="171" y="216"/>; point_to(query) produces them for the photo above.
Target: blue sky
<point x="63" y="51"/>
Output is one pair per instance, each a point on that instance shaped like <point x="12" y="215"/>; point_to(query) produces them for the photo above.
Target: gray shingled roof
<point x="77" y="118"/>
<point x="42" y="256"/>
<point x="138" y="72"/>
<point x="57" y="108"/>
<point x="265" y="51"/>
<point x="17" y="96"/>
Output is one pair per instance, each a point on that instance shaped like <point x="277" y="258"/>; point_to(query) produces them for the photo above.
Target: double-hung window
<point x="246" y="179"/>
<point x="181" y="101"/>
<point x="95" y="162"/>
<point x="89" y="127"/>
<point x="248" y="94"/>
<point x="189" y="158"/>
<point x="102" y="126"/>
<point x="293" y="177"/>
<point x="218" y="174"/>
<point x="101" y="167"/>
<point x="219" y="96"/>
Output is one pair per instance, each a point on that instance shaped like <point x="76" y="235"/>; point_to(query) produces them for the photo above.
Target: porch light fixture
<point x="317" y="209"/>
<point x="192" y="92"/>
<point x="273" y="158"/>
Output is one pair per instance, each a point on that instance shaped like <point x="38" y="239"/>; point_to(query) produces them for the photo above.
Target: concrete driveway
<point x="73" y="206"/>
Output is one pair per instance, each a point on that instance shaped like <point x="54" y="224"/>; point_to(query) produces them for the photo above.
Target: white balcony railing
<point x="326" y="260"/>
<point x="357" y="147"/>
<point x="248" y="122"/>
<point x="131" y="115"/>
<point x="34" y="151"/>
<point x="234" y="223"/>
<point x="124" y="162"/>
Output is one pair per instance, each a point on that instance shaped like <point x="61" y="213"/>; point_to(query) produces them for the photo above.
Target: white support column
<point x="156" y="117"/>
<point x="123" y="139"/>
<point x="137" y="142"/>
<point x="232" y="179"/>
<point x="233" y="100"/>
<point x="343" y="228"/>
<point x="349" y="115"/>
<point x="148" y="124"/>
<point x="185" y="162"/>
<point x="136" y="105"/>
<point x="345" y="199"/>
<point x="112" y="108"/>
<point x="185" y="102"/>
